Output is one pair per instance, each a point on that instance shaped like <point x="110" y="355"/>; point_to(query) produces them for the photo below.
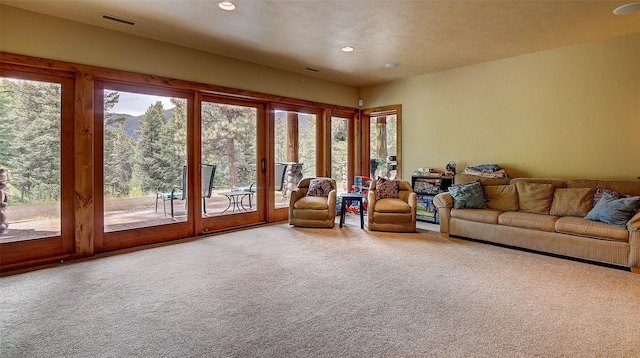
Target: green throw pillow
<point x="610" y="210"/>
<point x="467" y="196"/>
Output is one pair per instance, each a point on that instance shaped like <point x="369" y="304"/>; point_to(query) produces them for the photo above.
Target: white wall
<point x="32" y="34"/>
<point x="565" y="113"/>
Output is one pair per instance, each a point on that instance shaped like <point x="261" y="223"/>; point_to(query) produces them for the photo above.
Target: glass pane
<point x="339" y="145"/>
<point x="295" y="152"/>
<point x="229" y="144"/>
<point x="144" y="160"/>
<point x="30" y="158"/>
<point x="383" y="146"/>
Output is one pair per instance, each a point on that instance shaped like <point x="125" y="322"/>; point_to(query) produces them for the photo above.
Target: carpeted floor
<point x="278" y="291"/>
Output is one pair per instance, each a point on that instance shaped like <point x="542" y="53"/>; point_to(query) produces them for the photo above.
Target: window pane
<point x="229" y="143"/>
<point x="295" y="152"/>
<point x="339" y="145"/>
<point x="30" y="158"/>
<point x="144" y="160"/>
<point x="383" y="136"/>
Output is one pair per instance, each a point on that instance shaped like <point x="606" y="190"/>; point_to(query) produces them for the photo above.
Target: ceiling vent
<point x="117" y="19"/>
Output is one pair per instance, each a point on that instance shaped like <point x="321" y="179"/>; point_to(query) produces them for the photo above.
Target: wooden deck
<point x="118" y="220"/>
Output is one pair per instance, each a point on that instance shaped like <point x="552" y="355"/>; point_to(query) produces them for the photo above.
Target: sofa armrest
<point x="371" y="204"/>
<point x="331" y="202"/>
<point x="634" y="223"/>
<point x="443" y="200"/>
<point x="294" y="195"/>
<point x="443" y="203"/>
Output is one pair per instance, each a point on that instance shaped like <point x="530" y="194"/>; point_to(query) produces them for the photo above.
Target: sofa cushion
<point x="487" y="216"/>
<point x="610" y="210"/>
<point x="535" y="198"/>
<point x="311" y="203"/>
<point x="501" y="197"/>
<point x="531" y="221"/>
<point x="572" y="202"/>
<point x="392" y="205"/>
<point x="386" y="188"/>
<point x="621" y="186"/>
<point x="582" y="227"/>
<point x="319" y="187"/>
<point x="468" y="195"/>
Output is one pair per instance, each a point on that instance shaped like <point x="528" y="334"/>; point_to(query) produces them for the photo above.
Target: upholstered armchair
<point x="313" y="203"/>
<point x="397" y="214"/>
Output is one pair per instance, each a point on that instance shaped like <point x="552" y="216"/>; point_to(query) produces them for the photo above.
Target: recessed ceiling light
<point x="347" y="49"/>
<point x="627" y="9"/>
<point x="226" y="5"/>
<point x="392" y="65"/>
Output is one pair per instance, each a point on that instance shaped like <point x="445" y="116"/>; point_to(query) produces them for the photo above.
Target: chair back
<point x="403" y="185"/>
<point x="208" y="176"/>
<point x="280" y="172"/>
<point x="304" y="183"/>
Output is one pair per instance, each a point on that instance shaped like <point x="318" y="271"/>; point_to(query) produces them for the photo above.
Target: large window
<point x="383" y="148"/>
<point x="97" y="159"/>
<point x="30" y="158"/>
<point x="229" y="135"/>
<point x="295" y="151"/>
<point x="339" y="153"/>
<point x="144" y="159"/>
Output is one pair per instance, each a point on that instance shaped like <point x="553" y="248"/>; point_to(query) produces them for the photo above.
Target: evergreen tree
<point x="307" y="144"/>
<point x="34" y="150"/>
<point x="339" y="140"/>
<point x="118" y="150"/>
<point x="7" y="100"/>
<point x="156" y="172"/>
<point x="228" y="141"/>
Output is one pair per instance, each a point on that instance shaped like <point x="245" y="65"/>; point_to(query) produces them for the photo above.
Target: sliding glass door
<point x="36" y="183"/>
<point x="142" y="161"/>
<point x="295" y="153"/>
<point x="232" y="163"/>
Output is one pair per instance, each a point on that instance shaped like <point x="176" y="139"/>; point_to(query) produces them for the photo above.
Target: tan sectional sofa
<point x="547" y="218"/>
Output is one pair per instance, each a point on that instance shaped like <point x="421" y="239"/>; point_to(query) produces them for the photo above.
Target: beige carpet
<point x="278" y="291"/>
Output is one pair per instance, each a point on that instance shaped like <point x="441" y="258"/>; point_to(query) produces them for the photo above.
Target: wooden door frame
<point x="366" y="132"/>
<point x="151" y="234"/>
<point x="212" y="224"/>
<point x="24" y="253"/>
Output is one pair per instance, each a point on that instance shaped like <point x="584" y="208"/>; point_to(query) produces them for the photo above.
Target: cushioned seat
<point x="487" y="216"/>
<point x="588" y="228"/>
<point x="313" y="203"/>
<point x="396" y="214"/>
<point x="393" y="205"/>
<point x="528" y="220"/>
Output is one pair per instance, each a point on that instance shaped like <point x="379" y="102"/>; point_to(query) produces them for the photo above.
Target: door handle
<point x="264" y="165"/>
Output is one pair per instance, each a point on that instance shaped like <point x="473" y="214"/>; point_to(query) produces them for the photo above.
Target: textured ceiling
<point x="422" y="36"/>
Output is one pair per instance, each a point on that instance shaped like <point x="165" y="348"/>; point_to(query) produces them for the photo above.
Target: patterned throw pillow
<point x="599" y="191"/>
<point x="467" y="196"/>
<point x="387" y="188"/>
<point x="319" y="187"/>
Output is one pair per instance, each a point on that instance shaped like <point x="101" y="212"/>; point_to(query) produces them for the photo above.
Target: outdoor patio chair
<point x="179" y="192"/>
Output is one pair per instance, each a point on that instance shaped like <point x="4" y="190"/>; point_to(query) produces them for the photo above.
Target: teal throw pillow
<point x="467" y="196"/>
<point x="610" y="210"/>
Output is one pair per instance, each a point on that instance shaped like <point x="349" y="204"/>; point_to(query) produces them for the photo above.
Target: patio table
<point x="235" y="200"/>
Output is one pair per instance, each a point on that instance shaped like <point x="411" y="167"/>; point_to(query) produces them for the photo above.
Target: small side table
<point x="353" y="197"/>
